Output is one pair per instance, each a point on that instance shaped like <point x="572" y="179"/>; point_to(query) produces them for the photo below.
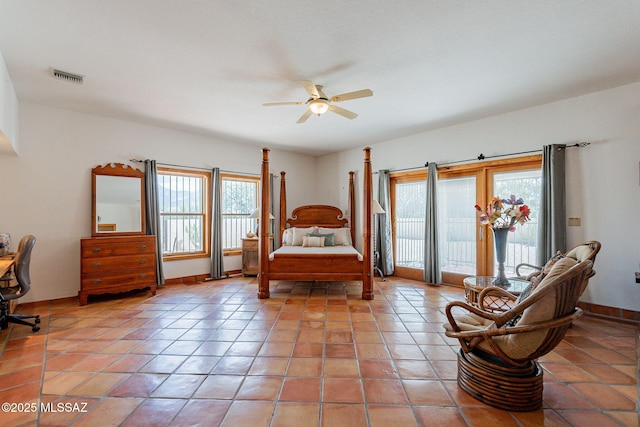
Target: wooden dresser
<point x="112" y="265"/>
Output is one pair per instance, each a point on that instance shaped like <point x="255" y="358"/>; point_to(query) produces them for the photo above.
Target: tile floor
<point x="314" y="354"/>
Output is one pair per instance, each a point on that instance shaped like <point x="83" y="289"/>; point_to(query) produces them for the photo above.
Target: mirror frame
<point x="121" y="170"/>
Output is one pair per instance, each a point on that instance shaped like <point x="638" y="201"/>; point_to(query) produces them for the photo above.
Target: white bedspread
<point x="335" y="250"/>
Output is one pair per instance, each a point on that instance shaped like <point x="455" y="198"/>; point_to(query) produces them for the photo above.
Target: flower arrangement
<point x="504" y="213"/>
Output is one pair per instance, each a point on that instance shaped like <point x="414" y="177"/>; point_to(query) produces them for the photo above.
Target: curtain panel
<point x="552" y="232"/>
<point x="217" y="254"/>
<point x="152" y="212"/>
<point x="384" y="242"/>
<point x="432" y="273"/>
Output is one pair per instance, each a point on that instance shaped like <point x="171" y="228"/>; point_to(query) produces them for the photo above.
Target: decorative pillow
<point x="523" y="295"/>
<point x="287" y="237"/>
<point x="342" y="236"/>
<point x="299" y="233"/>
<point x="312" y="241"/>
<point x="329" y="239"/>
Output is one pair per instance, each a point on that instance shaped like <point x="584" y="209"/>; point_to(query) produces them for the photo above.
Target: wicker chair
<point x="583" y="252"/>
<point x="497" y="359"/>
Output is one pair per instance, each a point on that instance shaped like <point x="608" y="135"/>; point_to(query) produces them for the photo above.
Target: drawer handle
<point x="96" y="265"/>
<point x="142" y="261"/>
<point x="143" y="276"/>
<point x="143" y="247"/>
<point x="96" y="249"/>
<point x="96" y="281"/>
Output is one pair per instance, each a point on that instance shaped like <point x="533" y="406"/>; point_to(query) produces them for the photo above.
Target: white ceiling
<point x="206" y="66"/>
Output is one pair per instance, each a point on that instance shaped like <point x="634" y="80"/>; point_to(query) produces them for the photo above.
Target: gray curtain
<point x="432" y="273"/>
<point x="552" y="233"/>
<point x="384" y="243"/>
<point x="217" y="254"/>
<point x="152" y="212"/>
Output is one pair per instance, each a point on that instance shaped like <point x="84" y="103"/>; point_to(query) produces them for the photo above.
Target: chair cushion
<point x="580" y="253"/>
<point x="520" y="346"/>
<point x="469" y="322"/>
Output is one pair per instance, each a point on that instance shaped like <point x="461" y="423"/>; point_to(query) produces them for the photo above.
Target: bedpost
<point x="352" y="206"/>
<point x="283" y="205"/>
<point x="263" y="233"/>
<point x="367" y="220"/>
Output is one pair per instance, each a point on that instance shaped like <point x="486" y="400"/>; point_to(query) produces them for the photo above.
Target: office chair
<point x="21" y="274"/>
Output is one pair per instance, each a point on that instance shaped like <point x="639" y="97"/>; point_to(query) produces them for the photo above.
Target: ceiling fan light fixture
<point x="319" y="106"/>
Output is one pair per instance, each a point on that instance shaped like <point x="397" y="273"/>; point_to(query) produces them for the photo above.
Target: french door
<point x="466" y="248"/>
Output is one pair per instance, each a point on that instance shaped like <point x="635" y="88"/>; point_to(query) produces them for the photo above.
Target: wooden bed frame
<point x="312" y="267"/>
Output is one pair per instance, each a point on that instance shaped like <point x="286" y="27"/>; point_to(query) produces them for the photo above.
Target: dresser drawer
<point x="117" y="247"/>
<point x="134" y="279"/>
<point x="104" y="265"/>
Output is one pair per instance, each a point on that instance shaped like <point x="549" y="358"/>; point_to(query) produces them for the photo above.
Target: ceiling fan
<point x="319" y="103"/>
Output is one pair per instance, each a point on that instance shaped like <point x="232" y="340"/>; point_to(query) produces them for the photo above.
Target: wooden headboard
<point x="317" y="215"/>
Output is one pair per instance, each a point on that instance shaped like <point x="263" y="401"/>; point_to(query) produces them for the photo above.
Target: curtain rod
<point x="483" y="157"/>
<point x="195" y="168"/>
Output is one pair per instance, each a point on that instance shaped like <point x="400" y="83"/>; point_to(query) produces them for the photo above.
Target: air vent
<point x="67" y="77"/>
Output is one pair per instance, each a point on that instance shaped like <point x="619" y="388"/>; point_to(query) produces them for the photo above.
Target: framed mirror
<point x="117" y="200"/>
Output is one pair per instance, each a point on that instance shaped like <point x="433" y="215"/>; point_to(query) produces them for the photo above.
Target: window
<point x="239" y="201"/>
<point x="465" y="250"/>
<point x="183" y="196"/>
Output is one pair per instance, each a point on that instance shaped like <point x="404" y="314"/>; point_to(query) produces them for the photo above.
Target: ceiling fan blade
<point x="311" y="89"/>
<point x="352" y="95"/>
<point x="344" y="113"/>
<point x="271" y="104"/>
<point x="303" y="118"/>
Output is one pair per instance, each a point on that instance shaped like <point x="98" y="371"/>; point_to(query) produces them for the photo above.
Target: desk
<point x="475" y="284"/>
<point x="6" y="262"/>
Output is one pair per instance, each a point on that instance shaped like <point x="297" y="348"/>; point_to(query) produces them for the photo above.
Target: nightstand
<point x="250" y="256"/>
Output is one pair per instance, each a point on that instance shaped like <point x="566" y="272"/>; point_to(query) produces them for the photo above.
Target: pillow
<point x="299" y="233"/>
<point x="287" y="237"/>
<point x="342" y="236"/>
<point x="312" y="242"/>
<point x="328" y="238"/>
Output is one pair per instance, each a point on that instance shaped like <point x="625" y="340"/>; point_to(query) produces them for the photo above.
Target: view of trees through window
<point x="239" y="201"/>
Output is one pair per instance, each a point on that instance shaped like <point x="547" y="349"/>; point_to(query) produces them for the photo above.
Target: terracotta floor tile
<point x="295" y="414"/>
<point x="488" y="417"/>
<point x="386" y="416"/>
<point x="588" y="418"/>
<point x="98" y="385"/>
<point x="372" y="351"/>
<point x="605" y="397"/>
<point x="302" y="349"/>
<point x="94" y="363"/>
<point x="301" y="389"/>
<point x="269" y="366"/>
<point x="243" y="413"/>
<point x="427" y="392"/>
<point x="20" y="377"/>
<point x="341" y="368"/>
<point x="178" y="386"/>
<point x="437" y="416"/>
<point x="385" y="391"/>
<point x="304" y="367"/>
<point x="378" y="368"/>
<point x="343" y="415"/>
<point x="110" y="411"/>
<point x="234" y="365"/>
<point x="219" y="387"/>
<point x="154" y="412"/>
<point x="64" y="382"/>
<point x="138" y="385"/>
<point x="342" y="390"/>
<point x="203" y="412"/>
<point x="260" y="388"/>
<point x="163" y="364"/>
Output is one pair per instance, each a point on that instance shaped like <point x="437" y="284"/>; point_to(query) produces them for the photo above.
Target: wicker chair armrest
<point x="468" y="307"/>
<point x="494" y="293"/>
<point x="537" y="268"/>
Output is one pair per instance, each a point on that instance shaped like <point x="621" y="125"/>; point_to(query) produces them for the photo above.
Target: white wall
<point x="603" y="180"/>
<point x="46" y="190"/>
<point x="8" y="112"/>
